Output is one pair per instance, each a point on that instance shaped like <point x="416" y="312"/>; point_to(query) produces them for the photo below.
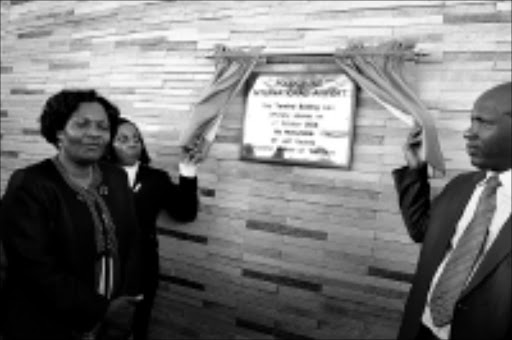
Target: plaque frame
<point x="318" y="67"/>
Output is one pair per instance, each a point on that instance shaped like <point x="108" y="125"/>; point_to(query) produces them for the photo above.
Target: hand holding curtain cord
<point x="413" y="148"/>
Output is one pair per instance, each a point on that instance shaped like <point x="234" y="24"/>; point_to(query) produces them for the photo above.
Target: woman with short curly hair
<point x="59" y="108"/>
<point x="70" y="232"/>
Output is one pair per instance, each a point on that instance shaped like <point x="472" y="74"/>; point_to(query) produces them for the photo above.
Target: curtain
<point x="232" y="70"/>
<point x="380" y="71"/>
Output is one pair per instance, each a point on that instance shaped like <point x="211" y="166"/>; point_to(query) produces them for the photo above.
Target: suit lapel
<point x="498" y="250"/>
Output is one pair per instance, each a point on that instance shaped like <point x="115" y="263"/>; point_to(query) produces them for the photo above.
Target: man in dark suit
<point x="462" y="286"/>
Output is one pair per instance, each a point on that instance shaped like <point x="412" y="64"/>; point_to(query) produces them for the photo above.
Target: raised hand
<point x="413" y="148"/>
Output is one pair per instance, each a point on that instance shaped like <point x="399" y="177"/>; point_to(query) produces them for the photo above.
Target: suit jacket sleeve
<point x="413" y="191"/>
<point x="181" y="200"/>
<point x="28" y="238"/>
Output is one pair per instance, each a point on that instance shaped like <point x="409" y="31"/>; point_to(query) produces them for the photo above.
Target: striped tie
<point x="461" y="262"/>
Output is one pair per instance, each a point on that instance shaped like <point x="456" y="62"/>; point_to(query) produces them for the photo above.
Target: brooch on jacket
<point x="136" y="187"/>
<point x="103" y="190"/>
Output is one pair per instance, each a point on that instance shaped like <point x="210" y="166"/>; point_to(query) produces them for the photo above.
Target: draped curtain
<point x="378" y="70"/>
<point x="230" y="74"/>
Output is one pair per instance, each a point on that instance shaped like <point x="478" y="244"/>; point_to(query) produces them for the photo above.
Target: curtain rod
<point x="217" y="54"/>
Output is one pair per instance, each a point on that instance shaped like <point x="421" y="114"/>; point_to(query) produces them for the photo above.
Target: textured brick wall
<point x="277" y="251"/>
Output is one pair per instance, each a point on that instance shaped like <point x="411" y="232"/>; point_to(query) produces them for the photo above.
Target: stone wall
<point x="278" y="251"/>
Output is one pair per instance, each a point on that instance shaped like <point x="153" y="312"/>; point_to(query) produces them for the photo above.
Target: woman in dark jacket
<point x="70" y="237"/>
<point x="154" y="190"/>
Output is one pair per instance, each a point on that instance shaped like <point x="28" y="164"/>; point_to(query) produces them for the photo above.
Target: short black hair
<point x="111" y="155"/>
<point x="60" y="106"/>
<point x="501" y="97"/>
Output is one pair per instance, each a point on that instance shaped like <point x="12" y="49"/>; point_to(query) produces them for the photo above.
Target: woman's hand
<point x="189" y="161"/>
<point x="117" y="323"/>
<point x="193" y="156"/>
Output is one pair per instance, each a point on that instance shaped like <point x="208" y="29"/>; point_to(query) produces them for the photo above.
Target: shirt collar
<point x="132" y="167"/>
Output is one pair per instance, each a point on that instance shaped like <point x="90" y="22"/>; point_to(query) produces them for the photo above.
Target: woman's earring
<point x="59" y="140"/>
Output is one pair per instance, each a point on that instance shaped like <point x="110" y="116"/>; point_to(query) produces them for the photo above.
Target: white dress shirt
<point x="502" y="213"/>
<point x="185" y="169"/>
<point x="131" y="170"/>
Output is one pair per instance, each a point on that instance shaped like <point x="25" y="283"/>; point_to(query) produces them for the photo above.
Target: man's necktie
<point x="461" y="262"/>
